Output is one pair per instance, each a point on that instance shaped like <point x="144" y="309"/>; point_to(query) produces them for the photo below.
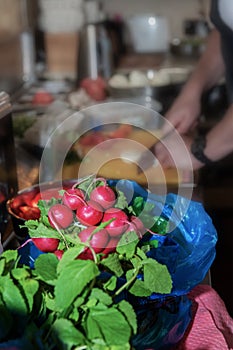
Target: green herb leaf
<point x="111" y="283"/>
<point x="39" y="229"/>
<point x="66" y="335"/>
<point x="29" y="286"/>
<point x="46" y="267"/>
<point x="68" y="256"/>
<point x="156" y="277"/>
<point x="112" y="262"/>
<point x="72" y="280"/>
<point x="12" y="296"/>
<point x="139" y="289"/>
<point x="102" y="323"/>
<point x="8" y="260"/>
<point x="121" y="201"/>
<point x="127" y="244"/>
<point x="101" y="296"/>
<point x="126" y="308"/>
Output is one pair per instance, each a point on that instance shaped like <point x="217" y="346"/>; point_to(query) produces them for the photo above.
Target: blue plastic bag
<point x="188" y="251"/>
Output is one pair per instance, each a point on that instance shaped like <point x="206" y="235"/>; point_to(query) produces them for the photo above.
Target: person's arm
<point x="210" y="67"/>
<point x="185" y="110"/>
<point x="175" y="151"/>
<point x="219" y="140"/>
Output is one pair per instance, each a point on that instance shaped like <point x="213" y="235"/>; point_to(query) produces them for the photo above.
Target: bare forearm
<point x="220" y="138"/>
<point x="209" y="69"/>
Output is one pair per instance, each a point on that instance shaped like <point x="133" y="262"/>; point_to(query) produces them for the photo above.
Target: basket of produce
<point x="107" y="265"/>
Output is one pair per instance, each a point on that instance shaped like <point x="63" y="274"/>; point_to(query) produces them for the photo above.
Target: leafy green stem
<point x="128" y="283"/>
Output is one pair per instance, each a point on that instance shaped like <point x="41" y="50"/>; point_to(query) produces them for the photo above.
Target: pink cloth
<point x="212" y="326"/>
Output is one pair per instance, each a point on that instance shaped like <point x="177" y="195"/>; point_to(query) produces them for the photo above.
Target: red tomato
<point x="95" y="88"/>
<point x="42" y="97"/>
<point x="29" y="213"/>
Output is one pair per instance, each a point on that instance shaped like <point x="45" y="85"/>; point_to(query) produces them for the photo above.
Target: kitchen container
<point x="28" y="198"/>
<point x="95" y="52"/>
<point x="155" y="86"/>
<point x="148" y="33"/>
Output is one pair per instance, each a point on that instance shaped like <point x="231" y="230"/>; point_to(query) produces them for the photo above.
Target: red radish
<point x="46" y="244"/>
<point x="98" y="240"/>
<point x="59" y="253"/>
<point x="119" y="224"/>
<point x="60" y="215"/>
<point x="111" y="246"/>
<point x="90" y="214"/>
<point x="73" y="198"/>
<point x="86" y="255"/>
<point x="135" y="224"/>
<point x="103" y="195"/>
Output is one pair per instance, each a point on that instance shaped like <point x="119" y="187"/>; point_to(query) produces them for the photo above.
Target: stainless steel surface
<point x="95" y="52"/>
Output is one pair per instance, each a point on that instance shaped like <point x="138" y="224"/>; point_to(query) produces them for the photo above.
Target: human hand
<point x="174" y="152"/>
<point x="183" y="114"/>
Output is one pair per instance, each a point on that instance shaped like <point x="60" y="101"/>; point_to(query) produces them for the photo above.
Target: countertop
<point x="155" y="61"/>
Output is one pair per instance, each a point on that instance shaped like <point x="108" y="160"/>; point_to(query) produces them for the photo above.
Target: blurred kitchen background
<point x="144" y="51"/>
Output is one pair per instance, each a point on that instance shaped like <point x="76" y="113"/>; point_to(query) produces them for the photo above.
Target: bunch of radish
<point x="95" y="214"/>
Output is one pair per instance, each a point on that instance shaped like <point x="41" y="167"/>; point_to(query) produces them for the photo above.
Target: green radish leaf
<point x="68" y="256"/>
<point x="102" y="323"/>
<point x="9" y="255"/>
<point x="139" y="289"/>
<point x="39" y="229"/>
<point x="66" y="334"/>
<point x="121" y="201"/>
<point x="86" y="184"/>
<point x="98" y="346"/>
<point x="101" y="296"/>
<point x="30" y="288"/>
<point x="127" y="244"/>
<point x="126" y="308"/>
<point x="46" y="267"/>
<point x="2" y="266"/>
<point x="8" y="260"/>
<point x="29" y="285"/>
<point x="157" y="277"/>
<point x="76" y="276"/>
<point x="12" y="297"/>
<point x="111" y="284"/>
<point x="112" y="262"/>
<point x="19" y="273"/>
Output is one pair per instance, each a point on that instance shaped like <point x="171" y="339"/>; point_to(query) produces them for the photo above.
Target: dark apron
<point x="226" y="34"/>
